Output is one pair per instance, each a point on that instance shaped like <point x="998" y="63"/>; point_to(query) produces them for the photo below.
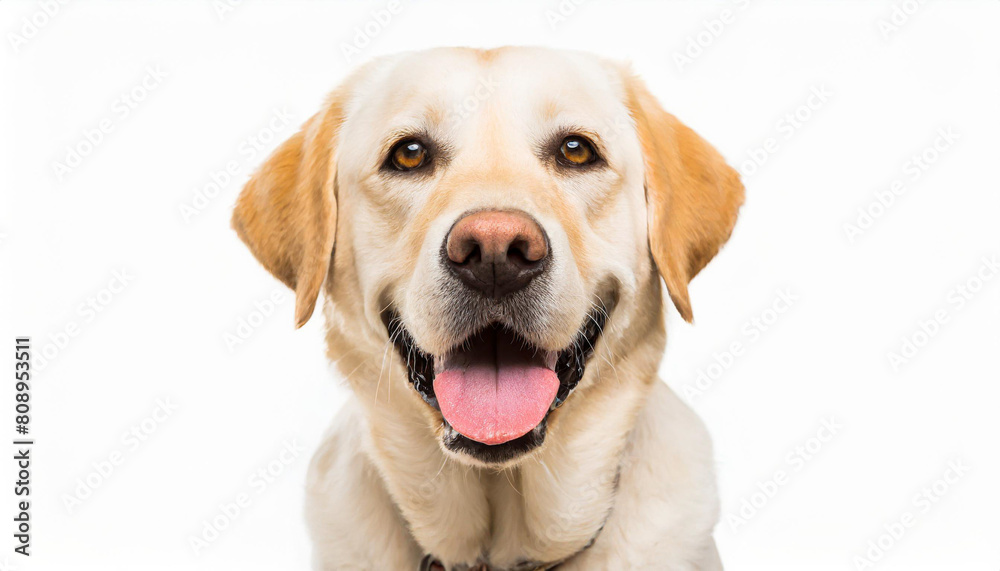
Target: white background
<point x="191" y="282"/>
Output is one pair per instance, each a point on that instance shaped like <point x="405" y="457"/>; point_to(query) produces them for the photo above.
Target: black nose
<point x="496" y="252"/>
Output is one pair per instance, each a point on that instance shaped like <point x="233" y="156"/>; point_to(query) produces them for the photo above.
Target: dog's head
<point x="497" y="217"/>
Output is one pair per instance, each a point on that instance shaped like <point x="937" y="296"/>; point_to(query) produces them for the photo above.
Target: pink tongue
<point x="495" y="391"/>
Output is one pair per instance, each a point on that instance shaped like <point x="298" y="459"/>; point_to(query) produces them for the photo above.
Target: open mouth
<point x="495" y="390"/>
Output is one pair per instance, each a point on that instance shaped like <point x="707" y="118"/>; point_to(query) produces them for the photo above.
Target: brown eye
<point x="409" y="155"/>
<point x="577" y="151"/>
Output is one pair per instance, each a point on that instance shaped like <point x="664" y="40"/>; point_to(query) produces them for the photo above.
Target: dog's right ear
<point x="287" y="212"/>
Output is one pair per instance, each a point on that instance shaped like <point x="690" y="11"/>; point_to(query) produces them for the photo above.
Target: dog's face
<point x="497" y="216"/>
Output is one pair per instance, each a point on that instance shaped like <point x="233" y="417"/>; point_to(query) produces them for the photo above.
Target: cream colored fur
<point x="623" y="452"/>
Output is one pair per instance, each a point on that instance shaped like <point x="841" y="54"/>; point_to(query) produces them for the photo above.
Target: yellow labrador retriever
<point x="489" y="228"/>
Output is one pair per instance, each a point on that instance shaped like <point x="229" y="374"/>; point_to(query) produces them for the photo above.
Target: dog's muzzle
<point x="494" y="388"/>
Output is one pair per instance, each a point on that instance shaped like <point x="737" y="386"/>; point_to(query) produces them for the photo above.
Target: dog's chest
<point x="541" y="517"/>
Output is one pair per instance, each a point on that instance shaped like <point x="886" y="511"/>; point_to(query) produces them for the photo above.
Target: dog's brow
<point x="416" y="126"/>
<point x="398" y="134"/>
<point x="575" y="129"/>
<point x="560" y="132"/>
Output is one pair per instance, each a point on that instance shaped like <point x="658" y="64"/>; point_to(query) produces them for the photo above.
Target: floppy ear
<point x="692" y="195"/>
<point x="287" y="212"/>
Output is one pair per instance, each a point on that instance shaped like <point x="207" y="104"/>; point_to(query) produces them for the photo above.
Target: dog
<point x="489" y="228"/>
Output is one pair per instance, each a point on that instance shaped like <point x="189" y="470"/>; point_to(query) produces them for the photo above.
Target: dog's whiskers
<point x="444" y="460"/>
<point x="351" y="374"/>
<point x="509" y="481"/>
<point x="393" y="339"/>
<point x="385" y="353"/>
<point x="378" y="384"/>
<point x="607" y="344"/>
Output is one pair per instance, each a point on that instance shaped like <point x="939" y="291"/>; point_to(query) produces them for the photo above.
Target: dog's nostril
<point x="474" y="256"/>
<point x="496" y="252"/>
<point x="463" y="252"/>
<point x="518" y="253"/>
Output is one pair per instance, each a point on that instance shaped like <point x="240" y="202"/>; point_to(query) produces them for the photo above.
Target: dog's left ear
<point x="692" y="195"/>
<point x="287" y="212"/>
